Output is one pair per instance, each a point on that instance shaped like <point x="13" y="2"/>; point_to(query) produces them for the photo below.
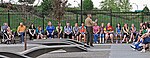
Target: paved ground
<point x="15" y="47"/>
<point x="99" y="51"/>
<point x="124" y="51"/>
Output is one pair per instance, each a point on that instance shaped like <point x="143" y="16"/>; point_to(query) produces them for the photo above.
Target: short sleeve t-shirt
<point x="110" y="28"/>
<point x="118" y="29"/>
<point x="95" y="28"/>
<point x="144" y="31"/>
<point x="68" y="29"/>
<point x="50" y="29"/>
<point x="82" y="29"/>
<point x="76" y="29"/>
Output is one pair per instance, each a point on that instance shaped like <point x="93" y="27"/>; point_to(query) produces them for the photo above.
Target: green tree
<point x="29" y="1"/>
<point x="87" y="5"/>
<point x="115" y="5"/>
<point x="46" y="6"/>
<point x="125" y="5"/>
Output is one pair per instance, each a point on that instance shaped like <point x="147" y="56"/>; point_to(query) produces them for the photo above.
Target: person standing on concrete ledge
<point x="89" y="25"/>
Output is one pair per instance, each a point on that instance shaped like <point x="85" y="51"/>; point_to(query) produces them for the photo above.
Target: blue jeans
<point x="95" y="38"/>
<point x="102" y="35"/>
<point x="21" y="36"/>
<point x="146" y="40"/>
<point x="137" y="45"/>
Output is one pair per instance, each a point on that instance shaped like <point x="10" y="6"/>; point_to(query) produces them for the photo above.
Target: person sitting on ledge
<point x="118" y="32"/>
<point x="59" y="31"/>
<point x="125" y="33"/>
<point x="102" y="33"/>
<point x="76" y="32"/>
<point x="68" y="30"/>
<point x="96" y="30"/>
<point x="50" y="30"/>
<point x="32" y="32"/>
<point x="133" y="33"/>
<point x="82" y="30"/>
<point x="109" y="33"/>
<point x="39" y="32"/>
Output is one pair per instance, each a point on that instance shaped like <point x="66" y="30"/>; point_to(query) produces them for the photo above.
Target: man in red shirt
<point x="109" y="32"/>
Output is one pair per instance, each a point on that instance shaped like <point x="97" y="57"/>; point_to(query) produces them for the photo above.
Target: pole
<point x="76" y="18"/>
<point x="142" y="17"/>
<point x="25" y="41"/>
<point x="8" y="18"/>
<point x="43" y="21"/>
<point x="81" y="11"/>
<point x="111" y="17"/>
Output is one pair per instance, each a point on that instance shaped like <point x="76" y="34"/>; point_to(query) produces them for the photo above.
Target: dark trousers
<point x="70" y="35"/>
<point x="89" y="36"/>
<point x="32" y="37"/>
<point x="50" y="35"/>
<point x="60" y="35"/>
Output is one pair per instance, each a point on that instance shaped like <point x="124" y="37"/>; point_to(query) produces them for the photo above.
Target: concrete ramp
<point x="49" y="45"/>
<point x="12" y="55"/>
<point x="1" y="56"/>
<point x="80" y="43"/>
<point x="51" y="42"/>
<point x="37" y="51"/>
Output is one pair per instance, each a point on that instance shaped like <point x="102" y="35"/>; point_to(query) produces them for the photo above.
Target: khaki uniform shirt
<point x="89" y="22"/>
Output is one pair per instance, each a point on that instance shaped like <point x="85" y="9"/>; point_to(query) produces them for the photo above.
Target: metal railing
<point x="73" y="16"/>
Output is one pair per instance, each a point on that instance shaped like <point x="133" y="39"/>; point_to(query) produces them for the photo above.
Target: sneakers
<point x="116" y="41"/>
<point x="44" y="38"/>
<point x="134" y="49"/>
<point x="96" y="42"/>
<point x="130" y="40"/>
<point x="132" y="46"/>
<point x="143" y="51"/>
<point x="127" y="42"/>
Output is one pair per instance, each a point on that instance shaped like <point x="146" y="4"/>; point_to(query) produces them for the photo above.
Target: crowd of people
<point x="89" y="32"/>
<point x="142" y="38"/>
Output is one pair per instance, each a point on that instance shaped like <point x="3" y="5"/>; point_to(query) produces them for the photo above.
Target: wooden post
<point x="25" y="41"/>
